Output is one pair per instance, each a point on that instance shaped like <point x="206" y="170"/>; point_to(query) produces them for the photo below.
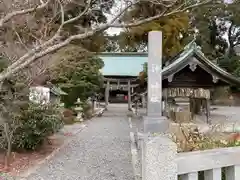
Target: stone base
<point x="79" y="119"/>
<point x="158" y="160"/>
<point x="156" y="124"/>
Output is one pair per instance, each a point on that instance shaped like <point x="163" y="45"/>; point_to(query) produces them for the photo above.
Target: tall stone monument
<point x="155" y="122"/>
<point x="159" y="152"/>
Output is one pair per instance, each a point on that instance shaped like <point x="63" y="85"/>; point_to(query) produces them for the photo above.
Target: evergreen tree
<point x="174" y="28"/>
<point x="76" y="71"/>
<point x="219" y="33"/>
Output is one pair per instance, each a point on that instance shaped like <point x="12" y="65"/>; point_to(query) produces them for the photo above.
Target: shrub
<point x="37" y="123"/>
<point x="68" y="113"/>
<point x="87" y="110"/>
<point x="192" y="140"/>
<point x="68" y="116"/>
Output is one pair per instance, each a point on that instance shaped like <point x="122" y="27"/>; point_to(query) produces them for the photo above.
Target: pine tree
<point x="173" y="27"/>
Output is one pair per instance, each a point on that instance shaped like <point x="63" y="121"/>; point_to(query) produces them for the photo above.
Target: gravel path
<point x="100" y="152"/>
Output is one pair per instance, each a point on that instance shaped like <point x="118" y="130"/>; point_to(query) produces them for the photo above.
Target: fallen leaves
<point x="24" y="160"/>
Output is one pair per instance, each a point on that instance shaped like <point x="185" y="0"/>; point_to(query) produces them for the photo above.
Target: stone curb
<point x="135" y="155"/>
<point x="49" y="157"/>
<point x="100" y="111"/>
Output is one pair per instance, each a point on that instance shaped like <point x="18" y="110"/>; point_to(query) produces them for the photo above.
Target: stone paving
<point x="100" y="152"/>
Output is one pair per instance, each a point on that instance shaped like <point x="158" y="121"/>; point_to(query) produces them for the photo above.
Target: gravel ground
<point x="100" y="152"/>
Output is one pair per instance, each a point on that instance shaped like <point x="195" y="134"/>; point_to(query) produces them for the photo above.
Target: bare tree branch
<point x="87" y="8"/>
<point x="9" y="16"/>
<point x="51" y="40"/>
<point x="52" y="44"/>
<point x="163" y="14"/>
<point x="20" y="40"/>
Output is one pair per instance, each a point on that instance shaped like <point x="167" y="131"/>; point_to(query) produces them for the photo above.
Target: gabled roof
<point x="57" y="91"/>
<point x="131" y="64"/>
<point x="53" y="88"/>
<point x="184" y="59"/>
<point x="123" y="64"/>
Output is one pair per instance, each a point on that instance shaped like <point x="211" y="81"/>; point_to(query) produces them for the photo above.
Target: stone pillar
<point x="155" y="122"/>
<point x="107" y="94"/>
<point x="159" y="152"/>
<point x="129" y="95"/>
<point x="160" y="157"/>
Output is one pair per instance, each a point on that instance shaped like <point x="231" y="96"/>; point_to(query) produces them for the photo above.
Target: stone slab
<point x="155" y="124"/>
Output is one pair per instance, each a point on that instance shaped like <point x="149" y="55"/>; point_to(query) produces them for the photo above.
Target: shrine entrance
<point x="121" y="76"/>
<point x="119" y="90"/>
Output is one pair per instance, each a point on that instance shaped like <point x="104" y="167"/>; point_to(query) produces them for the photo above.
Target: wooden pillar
<point x="129" y="95"/>
<point x="93" y="106"/>
<point x="208" y="110"/>
<point x="143" y="100"/>
<point x="192" y="107"/>
<point x="118" y="84"/>
<point x="165" y="94"/>
<point x="107" y="94"/>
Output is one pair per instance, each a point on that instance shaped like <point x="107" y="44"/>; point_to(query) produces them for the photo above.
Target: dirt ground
<point x="222" y="114"/>
<point x="22" y="161"/>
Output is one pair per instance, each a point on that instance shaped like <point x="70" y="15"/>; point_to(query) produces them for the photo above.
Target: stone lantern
<point x="79" y="110"/>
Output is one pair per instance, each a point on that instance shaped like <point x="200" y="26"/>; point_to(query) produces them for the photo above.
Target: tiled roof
<point x="57" y="91"/>
<point x="184" y="58"/>
<point x="131" y="64"/>
<point x="122" y="64"/>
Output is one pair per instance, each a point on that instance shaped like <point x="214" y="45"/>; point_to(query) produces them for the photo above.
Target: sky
<point x="114" y="10"/>
<point x="113" y="31"/>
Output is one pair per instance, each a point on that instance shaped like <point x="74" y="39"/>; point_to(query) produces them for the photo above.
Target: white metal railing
<point x="215" y="164"/>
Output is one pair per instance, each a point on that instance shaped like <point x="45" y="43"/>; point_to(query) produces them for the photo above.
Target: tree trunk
<point x="9" y="145"/>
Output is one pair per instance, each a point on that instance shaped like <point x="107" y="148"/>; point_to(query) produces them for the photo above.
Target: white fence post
<point x="213" y="174"/>
<point x="233" y="172"/>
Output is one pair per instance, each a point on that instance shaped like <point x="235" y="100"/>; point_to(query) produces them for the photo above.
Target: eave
<point x="193" y="55"/>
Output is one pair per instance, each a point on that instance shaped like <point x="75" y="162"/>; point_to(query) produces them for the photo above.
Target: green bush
<point x="37" y="122"/>
<point x="87" y="110"/>
<point x="68" y="116"/>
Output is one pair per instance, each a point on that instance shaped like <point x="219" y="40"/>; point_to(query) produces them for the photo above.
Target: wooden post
<point x="129" y="95"/>
<point x="118" y="84"/>
<point x="208" y="110"/>
<point x="143" y="100"/>
<point x="107" y="94"/>
<point x="93" y="106"/>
